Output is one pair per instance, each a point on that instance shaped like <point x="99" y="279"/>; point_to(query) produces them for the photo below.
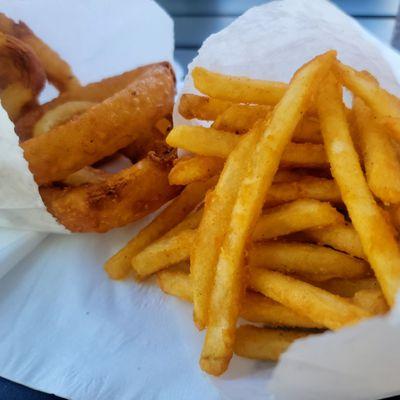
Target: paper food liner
<point x="66" y="328"/>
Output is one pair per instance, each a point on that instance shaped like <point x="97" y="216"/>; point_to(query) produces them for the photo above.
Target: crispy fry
<point x="237" y="89"/>
<point x="119" y="265"/>
<point x="320" y="306"/>
<point x="103" y="129"/>
<point x="384" y="105"/>
<point x="217" y="212"/>
<point x="57" y="70"/>
<point x="254" y="308"/>
<point x="371" y="300"/>
<point x="163" y="253"/>
<point x="376" y="234"/>
<point x="215" y="143"/>
<point x="195" y="168"/>
<point x="95" y="92"/>
<point x="59" y="115"/>
<point x="122" y="198"/>
<point x="294" y="217"/>
<point x="201" y="107"/>
<point x="348" y="287"/>
<point x="306" y="188"/>
<point x="224" y="306"/>
<point x="21" y="75"/>
<point x="382" y="167"/>
<point x="263" y="343"/>
<point x="307" y="260"/>
<point x="341" y="237"/>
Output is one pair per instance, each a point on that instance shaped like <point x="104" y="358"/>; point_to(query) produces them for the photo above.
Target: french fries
<point x="263" y="343"/>
<point x="376" y="234"/>
<point x="382" y="166"/>
<point x="216" y="143"/>
<point x="103" y="129"/>
<point x="348" y="287"/>
<point x="371" y="300"/>
<point x="119" y="265"/>
<point x="237" y="89"/>
<point x="193" y="169"/>
<point x="307" y="260"/>
<point x="225" y="299"/>
<point x="320" y="306"/>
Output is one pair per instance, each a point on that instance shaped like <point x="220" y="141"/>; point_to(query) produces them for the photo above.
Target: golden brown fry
<point x="294" y="217"/>
<point x="382" y="166"/>
<point x="254" y="308"/>
<point x="163" y="253"/>
<point x="225" y="299"/>
<point x="217" y="212"/>
<point x="122" y="198"/>
<point x="119" y="265"/>
<point x="348" y="287"/>
<point x="21" y="75"/>
<point x="341" y="237"/>
<point x="216" y="143"/>
<point x="263" y="343"/>
<point x="305" y="188"/>
<point x="371" y="300"/>
<point x="57" y="70"/>
<point x="320" y="306"/>
<point x="59" y="115"/>
<point x="103" y="129"/>
<point x="376" y="234"/>
<point x="307" y="260"/>
<point x="201" y="107"/>
<point x="237" y="89"/>
<point x="384" y="105"/>
<point x="195" y="168"/>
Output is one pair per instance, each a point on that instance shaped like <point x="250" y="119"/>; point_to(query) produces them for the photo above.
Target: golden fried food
<point x="103" y="129"/>
<point x="122" y="198"/>
<point x="57" y="70"/>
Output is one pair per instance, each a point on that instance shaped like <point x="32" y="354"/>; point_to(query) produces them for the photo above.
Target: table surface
<point x="194" y="21"/>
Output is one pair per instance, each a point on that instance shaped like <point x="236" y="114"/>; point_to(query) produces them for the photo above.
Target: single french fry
<point x="217" y="212"/>
<point x="264" y="343"/>
<point x="347" y="287"/>
<point x="382" y="166"/>
<point x="305" y="188"/>
<point x="163" y="253"/>
<point x="376" y="234"/>
<point x="383" y="104"/>
<point x="371" y="300"/>
<point x="195" y="168"/>
<point x="225" y="298"/>
<point x="289" y="175"/>
<point x="254" y="308"/>
<point x="119" y="265"/>
<point x="216" y="143"/>
<point x="237" y="89"/>
<point x="341" y="237"/>
<point x="201" y="107"/>
<point x="320" y="306"/>
<point x="306" y="260"/>
<point x="294" y="217"/>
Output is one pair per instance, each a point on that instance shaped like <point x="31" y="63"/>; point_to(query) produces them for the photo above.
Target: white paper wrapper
<point x="65" y="328"/>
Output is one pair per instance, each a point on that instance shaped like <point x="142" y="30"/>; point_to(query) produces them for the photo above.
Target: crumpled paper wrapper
<point x="65" y="328"/>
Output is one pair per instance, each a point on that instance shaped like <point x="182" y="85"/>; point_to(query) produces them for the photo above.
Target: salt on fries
<point x="272" y="242"/>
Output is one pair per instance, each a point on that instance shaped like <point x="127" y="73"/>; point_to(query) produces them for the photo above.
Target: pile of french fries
<point x="69" y="140"/>
<point x="289" y="212"/>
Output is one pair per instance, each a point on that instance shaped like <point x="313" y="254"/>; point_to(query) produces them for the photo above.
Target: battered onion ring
<point x="57" y="70"/>
<point x="104" y="128"/>
<point x="95" y="92"/>
<point x="122" y="198"/>
<point x="21" y="75"/>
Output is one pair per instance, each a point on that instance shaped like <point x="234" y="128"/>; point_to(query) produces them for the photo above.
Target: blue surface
<point x="194" y="21"/>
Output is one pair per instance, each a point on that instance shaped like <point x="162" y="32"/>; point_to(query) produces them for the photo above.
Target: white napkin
<point x="65" y="328"/>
